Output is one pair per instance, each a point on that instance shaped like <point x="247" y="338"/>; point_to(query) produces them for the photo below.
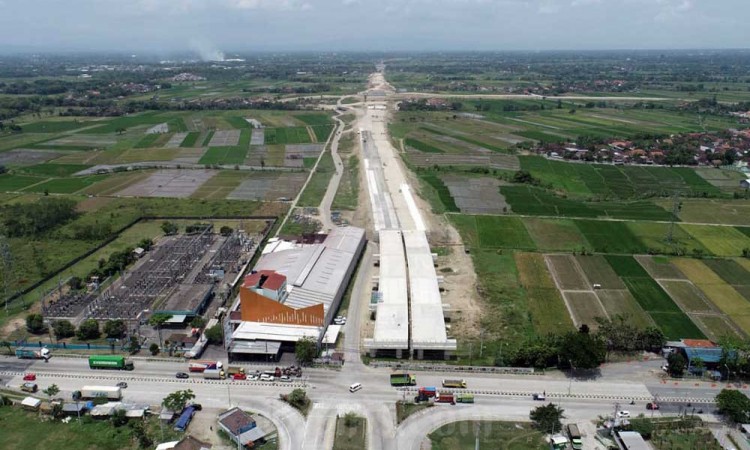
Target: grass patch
<point x="495" y="435"/>
<point x="721" y="241"/>
<point x="190" y="139"/>
<point x="422" y="146"/>
<point x="314" y="119"/>
<point x="548" y="311"/>
<point x="147" y="141"/>
<point x="322" y="132"/>
<point x="351" y="433"/>
<point x="555" y="234"/>
<point x="54" y="170"/>
<point x="224" y="155"/>
<point x="347" y="195"/>
<point x="66" y="185"/>
<point x="288" y="135"/>
<point x="406" y="409"/>
<point x="237" y="122"/>
<point x="12" y="183"/>
<point x="438" y="194"/>
<point x="316" y="188"/>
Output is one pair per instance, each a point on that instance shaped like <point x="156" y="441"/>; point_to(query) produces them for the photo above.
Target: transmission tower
<point x="6" y="259"/>
<point x="676" y="206"/>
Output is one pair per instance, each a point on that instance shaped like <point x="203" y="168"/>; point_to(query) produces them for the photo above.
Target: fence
<point x="450" y="368"/>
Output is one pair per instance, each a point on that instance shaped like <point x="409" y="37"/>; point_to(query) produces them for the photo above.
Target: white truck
<point x="109" y="392"/>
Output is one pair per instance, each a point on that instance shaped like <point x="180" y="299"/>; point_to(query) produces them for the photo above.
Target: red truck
<point x="445" y="397"/>
<point x="200" y="366"/>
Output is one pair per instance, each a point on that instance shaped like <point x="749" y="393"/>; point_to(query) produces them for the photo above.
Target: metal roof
<point x="428" y="321"/>
<point x="392" y="317"/>
<point x="274" y="332"/>
<point x="633" y="440"/>
<point x="707" y="355"/>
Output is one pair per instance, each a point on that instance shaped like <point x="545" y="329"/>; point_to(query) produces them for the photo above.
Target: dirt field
<point x="687" y="296"/>
<point x="26" y="156"/>
<point x="598" y="271"/>
<point x="269" y="186"/>
<point x="169" y="183"/>
<point x="476" y="195"/>
<point x="621" y="302"/>
<point x="567" y="273"/>
<point x="225" y="138"/>
<point x="659" y="267"/>
<point x="585" y="307"/>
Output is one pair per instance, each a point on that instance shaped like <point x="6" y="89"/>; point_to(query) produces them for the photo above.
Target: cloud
<point x="549" y="7"/>
<point x="350" y="2"/>
<point x="575" y="3"/>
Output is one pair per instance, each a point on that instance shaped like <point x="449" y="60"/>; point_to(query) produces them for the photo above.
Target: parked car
<point x="266" y="377"/>
<point x="122" y="385"/>
<point x="285" y="378"/>
<point x="540" y="397"/>
<point x="252" y="378"/>
<point x="623" y="414"/>
<point x="29" y="377"/>
<point x="239" y="376"/>
<point x="182" y="375"/>
<point x="652" y="405"/>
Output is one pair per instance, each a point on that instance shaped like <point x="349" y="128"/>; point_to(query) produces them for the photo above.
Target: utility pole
<point x="7" y="263"/>
<point x="481" y="343"/>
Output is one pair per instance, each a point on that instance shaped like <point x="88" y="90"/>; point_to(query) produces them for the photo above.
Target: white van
<point x="355" y="387"/>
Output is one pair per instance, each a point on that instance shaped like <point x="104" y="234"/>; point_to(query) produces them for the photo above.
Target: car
<point x="239" y="376"/>
<point x="182" y="375"/>
<point x="122" y="385"/>
<point x="623" y="414"/>
<point x="285" y="378"/>
<point x="540" y="397"/>
<point x="252" y="378"/>
<point x="652" y="405"/>
<point x="29" y="377"/>
<point x="266" y="377"/>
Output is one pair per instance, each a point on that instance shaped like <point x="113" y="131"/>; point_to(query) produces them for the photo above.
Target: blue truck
<point x="33" y="353"/>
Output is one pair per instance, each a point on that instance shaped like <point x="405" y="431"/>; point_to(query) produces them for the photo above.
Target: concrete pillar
<point x="447" y="355"/>
<point x="373" y="352"/>
<point x="420" y="353"/>
<point x="398" y="353"/>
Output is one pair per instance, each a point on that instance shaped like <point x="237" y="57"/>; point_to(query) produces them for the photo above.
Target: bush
<point x="35" y="324"/>
<point x="89" y="329"/>
<point x="115" y="328"/>
<point x="154" y="349"/>
<point x="63" y="329"/>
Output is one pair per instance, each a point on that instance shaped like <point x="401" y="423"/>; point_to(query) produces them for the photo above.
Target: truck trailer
<point x="213" y="374"/>
<point x="200" y="366"/>
<point x="454" y="383"/>
<point x="464" y="398"/>
<point x="32" y="353"/>
<point x="445" y="397"/>
<point x="110" y="362"/>
<point x="109" y="392"/>
<point x="403" y="379"/>
<point x="234" y="370"/>
<point x="575" y="436"/>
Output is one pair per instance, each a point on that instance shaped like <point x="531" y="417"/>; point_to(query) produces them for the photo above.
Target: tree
<point x="306" y="350"/>
<point x="63" y="329"/>
<point x="643" y="426"/>
<point x="676" y="364"/>
<point x="547" y="418"/>
<point x="7" y="344"/>
<point x="350" y="419"/>
<point x="215" y="334"/>
<point x="198" y="322"/>
<point x="523" y="176"/>
<point x="154" y="348"/>
<point x="225" y="230"/>
<point x="35" y="324"/>
<point x="75" y="283"/>
<point x="119" y="418"/>
<point x="297" y="398"/>
<point x="157" y="320"/>
<point x="734" y="404"/>
<point x="582" y="350"/>
<point x="115" y="328"/>
<point x="88" y="329"/>
<point x="52" y="390"/>
<point x="169" y="228"/>
<point x="134" y="346"/>
<point x="177" y="400"/>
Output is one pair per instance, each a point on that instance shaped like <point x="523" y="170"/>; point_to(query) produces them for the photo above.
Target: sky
<point x="163" y="26"/>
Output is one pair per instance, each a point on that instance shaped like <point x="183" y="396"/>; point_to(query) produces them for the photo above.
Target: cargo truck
<point x="464" y="398"/>
<point x="427" y="391"/>
<point x="454" y="383"/>
<point x="403" y="379"/>
<point x="110" y="362"/>
<point x="200" y="366"/>
<point x="445" y="397"/>
<point x="234" y="370"/>
<point x="33" y="353"/>
<point x="91" y="392"/>
<point x="213" y="374"/>
<point x="575" y="436"/>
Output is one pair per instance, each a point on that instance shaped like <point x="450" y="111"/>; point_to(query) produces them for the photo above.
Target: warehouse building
<point x="293" y="292"/>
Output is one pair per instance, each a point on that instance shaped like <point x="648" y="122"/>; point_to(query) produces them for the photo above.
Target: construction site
<point x="178" y="276"/>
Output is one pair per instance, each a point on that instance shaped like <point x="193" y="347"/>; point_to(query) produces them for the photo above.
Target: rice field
<point x="721" y="241"/>
<point x="620" y="302"/>
<point x="220" y="185"/>
<point x="493" y="231"/>
<point x="13" y="183"/>
<point x="598" y="271"/>
<point x="548" y="311"/>
<point x="224" y="155"/>
<point x="567" y="273"/>
<point x="585" y="307"/>
<point x="660" y="267"/>
<point x="555" y="234"/>
<point x="610" y="237"/>
<point x="686" y="295"/>
<point x="729" y="270"/>
<point x="730" y="212"/>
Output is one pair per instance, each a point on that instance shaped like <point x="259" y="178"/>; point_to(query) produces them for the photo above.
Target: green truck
<point x="110" y="362"/>
<point x="464" y="398"/>
<point x="403" y="379"/>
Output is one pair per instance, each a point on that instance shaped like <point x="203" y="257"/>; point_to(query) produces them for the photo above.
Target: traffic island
<point x="351" y="432"/>
<point x="405" y="409"/>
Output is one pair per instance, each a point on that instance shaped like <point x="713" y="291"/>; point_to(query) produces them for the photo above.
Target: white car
<point x="252" y="377"/>
<point x="285" y="378"/>
<point x="265" y="377"/>
<point x="623" y="414"/>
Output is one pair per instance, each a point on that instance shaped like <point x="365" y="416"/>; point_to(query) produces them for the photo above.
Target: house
<point x="240" y="425"/>
<point x="745" y="184"/>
